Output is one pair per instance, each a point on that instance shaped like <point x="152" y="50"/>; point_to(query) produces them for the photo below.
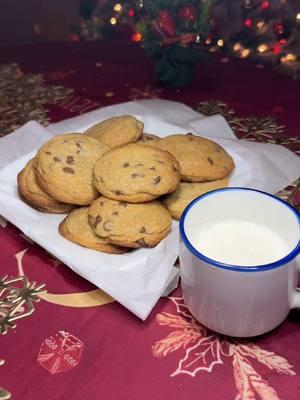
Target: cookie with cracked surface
<point x="117" y="131"/>
<point x="130" y="225"/>
<point x="33" y="195"/>
<point x="64" y="167"/>
<point x="200" y="159"/>
<point x="136" y="173"/>
<point x="76" y="228"/>
<point x="148" y="138"/>
<point x="177" y="201"/>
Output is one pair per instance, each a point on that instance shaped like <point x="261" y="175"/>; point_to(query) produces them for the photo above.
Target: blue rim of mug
<point x="244" y="268"/>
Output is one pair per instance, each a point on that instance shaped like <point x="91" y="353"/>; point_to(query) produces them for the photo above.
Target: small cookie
<point x="75" y="227"/>
<point x="117" y="131"/>
<point x="136" y="173"/>
<point x="200" y="159"/>
<point x="33" y="195"/>
<point x="64" y="167"/>
<point x="130" y="225"/>
<point x="177" y="201"/>
<point x="148" y="138"/>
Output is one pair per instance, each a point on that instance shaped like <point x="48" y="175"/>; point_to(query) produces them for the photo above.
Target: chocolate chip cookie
<point x="64" y="167"/>
<point x="148" y="138"/>
<point x="177" y="201"/>
<point x="130" y="225"/>
<point x="136" y="173"/>
<point x="200" y="159"/>
<point x="33" y="195"/>
<point x="75" y="227"/>
<point x="117" y="131"/>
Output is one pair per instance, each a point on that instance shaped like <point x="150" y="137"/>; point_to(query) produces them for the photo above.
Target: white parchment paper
<point x="137" y="279"/>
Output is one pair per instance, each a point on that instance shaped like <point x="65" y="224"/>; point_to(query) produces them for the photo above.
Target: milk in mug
<point x="240" y="243"/>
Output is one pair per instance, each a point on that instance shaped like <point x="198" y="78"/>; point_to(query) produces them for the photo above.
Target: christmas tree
<point x="179" y="33"/>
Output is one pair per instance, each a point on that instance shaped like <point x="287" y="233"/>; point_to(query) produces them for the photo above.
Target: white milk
<point x="240" y="243"/>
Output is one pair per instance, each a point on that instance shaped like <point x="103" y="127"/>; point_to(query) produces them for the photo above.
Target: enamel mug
<point x="228" y="298"/>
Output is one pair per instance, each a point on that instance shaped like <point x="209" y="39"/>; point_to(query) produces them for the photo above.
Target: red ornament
<point x="187" y="38"/>
<point x="248" y="22"/>
<point x="278" y="28"/>
<point x="166" y="23"/>
<point x="265" y="5"/>
<point x="131" y="13"/>
<point x="277" y="49"/>
<point x="188" y="13"/>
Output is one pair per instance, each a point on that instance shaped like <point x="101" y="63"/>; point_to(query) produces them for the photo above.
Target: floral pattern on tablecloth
<point x="201" y="350"/>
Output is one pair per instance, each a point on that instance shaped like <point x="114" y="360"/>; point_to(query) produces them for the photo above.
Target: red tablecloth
<point x="68" y="349"/>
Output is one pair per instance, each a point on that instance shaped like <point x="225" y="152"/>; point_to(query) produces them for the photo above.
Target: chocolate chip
<point x="137" y="175"/>
<point x="142" y="229"/>
<point x="68" y="170"/>
<point x="107" y="226"/>
<point x="115" y="213"/>
<point x="189" y="134"/>
<point x="78" y="145"/>
<point x="225" y="167"/>
<point x="210" y="161"/>
<point x="101" y="203"/>
<point x="125" y="165"/>
<point x="56" y="159"/>
<point x="94" y="221"/>
<point x="156" y="180"/>
<point x="139" y="165"/>
<point x="118" y="192"/>
<point x="48" y="152"/>
<point x="142" y="242"/>
<point x="161" y="162"/>
<point x="70" y="160"/>
<point x="152" y="168"/>
<point x="78" y="152"/>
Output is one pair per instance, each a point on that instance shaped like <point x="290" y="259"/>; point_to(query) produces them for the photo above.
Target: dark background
<point x="29" y="21"/>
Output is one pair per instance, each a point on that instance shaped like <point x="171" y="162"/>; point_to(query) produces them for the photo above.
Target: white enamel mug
<point x="233" y="300"/>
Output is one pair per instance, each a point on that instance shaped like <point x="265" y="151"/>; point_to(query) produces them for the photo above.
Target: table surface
<point x="79" y="343"/>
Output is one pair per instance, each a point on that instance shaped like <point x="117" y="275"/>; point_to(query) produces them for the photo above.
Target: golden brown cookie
<point x="117" y="131"/>
<point x="75" y="227"/>
<point x="130" y="225"/>
<point x="64" y="167"/>
<point x="148" y="138"/>
<point x="136" y="173"/>
<point x="200" y="159"/>
<point x="33" y="195"/>
<point x="177" y="201"/>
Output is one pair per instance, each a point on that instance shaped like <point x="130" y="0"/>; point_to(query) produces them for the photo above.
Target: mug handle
<point x="295" y="303"/>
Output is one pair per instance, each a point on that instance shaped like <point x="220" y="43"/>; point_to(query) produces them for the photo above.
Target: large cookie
<point x="117" y="131"/>
<point x="32" y="194"/>
<point x="177" y="201"/>
<point x="136" y="173"/>
<point x="75" y="227"/>
<point x="130" y="225"/>
<point x="200" y="159"/>
<point x="64" y="167"/>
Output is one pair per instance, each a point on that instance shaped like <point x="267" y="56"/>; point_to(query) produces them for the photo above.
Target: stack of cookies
<point x="120" y="185"/>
